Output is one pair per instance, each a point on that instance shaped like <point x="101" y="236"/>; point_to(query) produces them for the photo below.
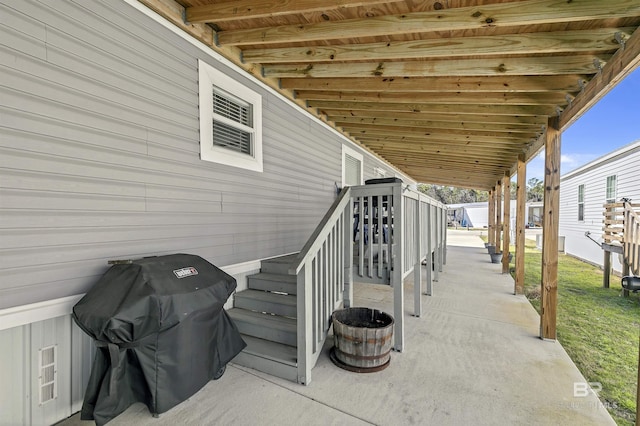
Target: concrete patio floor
<point x="474" y="357"/>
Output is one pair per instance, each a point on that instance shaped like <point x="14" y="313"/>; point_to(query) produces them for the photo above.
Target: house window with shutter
<point x="351" y="167"/>
<point x="611" y="189"/>
<point x="580" y="202"/>
<point x="230" y="120"/>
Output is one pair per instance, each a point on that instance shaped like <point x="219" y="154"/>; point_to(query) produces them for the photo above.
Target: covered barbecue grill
<point x="161" y="333"/>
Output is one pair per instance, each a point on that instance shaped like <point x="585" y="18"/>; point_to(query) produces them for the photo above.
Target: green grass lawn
<point x="597" y="327"/>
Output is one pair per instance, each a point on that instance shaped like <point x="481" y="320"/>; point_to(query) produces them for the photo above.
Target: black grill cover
<point x="161" y="333"/>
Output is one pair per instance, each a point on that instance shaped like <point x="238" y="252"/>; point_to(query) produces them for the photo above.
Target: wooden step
<point x="269" y="357"/>
<point x="264" y="301"/>
<point x="264" y="326"/>
<point x="278" y="265"/>
<point x="272" y="282"/>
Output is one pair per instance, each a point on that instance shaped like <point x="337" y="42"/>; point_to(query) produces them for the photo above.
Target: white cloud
<point x="568" y="162"/>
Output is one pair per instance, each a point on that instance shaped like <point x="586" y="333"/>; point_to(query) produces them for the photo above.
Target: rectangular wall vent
<point x="48" y="373"/>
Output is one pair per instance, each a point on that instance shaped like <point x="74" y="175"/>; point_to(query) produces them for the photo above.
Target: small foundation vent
<point x="48" y="373"/>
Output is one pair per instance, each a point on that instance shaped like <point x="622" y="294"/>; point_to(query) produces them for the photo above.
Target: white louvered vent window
<point x="48" y="373"/>
<point x="230" y="120"/>
<point x="232" y="123"/>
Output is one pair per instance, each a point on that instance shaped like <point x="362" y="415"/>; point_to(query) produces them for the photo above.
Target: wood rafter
<point x="252" y="9"/>
<point x="513" y="110"/>
<point x="465" y="18"/>
<point x="544" y="65"/>
<point x="453" y="135"/>
<point x="523" y="120"/>
<point x="448" y="126"/>
<point x="488" y="98"/>
<point x="493" y="84"/>
<point x="439" y="154"/>
<point x="558" y="42"/>
<point x="425" y="145"/>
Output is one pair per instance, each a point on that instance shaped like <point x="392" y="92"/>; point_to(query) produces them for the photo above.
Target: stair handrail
<point x="317" y="237"/>
<point x="323" y="276"/>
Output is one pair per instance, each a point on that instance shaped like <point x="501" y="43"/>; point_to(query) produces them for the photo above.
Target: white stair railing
<point x="395" y="229"/>
<point x="323" y="270"/>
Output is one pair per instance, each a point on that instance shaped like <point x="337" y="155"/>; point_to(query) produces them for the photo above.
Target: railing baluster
<point x="314" y="302"/>
<point x="332" y="265"/>
<point x="361" y="237"/>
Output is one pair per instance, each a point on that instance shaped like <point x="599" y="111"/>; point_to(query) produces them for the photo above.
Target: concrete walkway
<point x="474" y="357"/>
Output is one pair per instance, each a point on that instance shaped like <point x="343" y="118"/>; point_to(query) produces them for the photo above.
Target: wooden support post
<point x="607" y="269"/>
<point x="520" y="225"/>
<point x="506" y="238"/>
<point x="492" y="218"/>
<point x="498" y="217"/>
<point x="549" y="285"/>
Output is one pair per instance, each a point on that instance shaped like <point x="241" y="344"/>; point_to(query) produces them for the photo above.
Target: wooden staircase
<point x="265" y="315"/>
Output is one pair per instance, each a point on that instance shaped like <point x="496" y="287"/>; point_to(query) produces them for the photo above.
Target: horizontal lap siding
<point x="99" y="156"/>
<point x="627" y="169"/>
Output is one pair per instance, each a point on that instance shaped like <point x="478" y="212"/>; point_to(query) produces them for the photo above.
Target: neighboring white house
<point x="473" y="215"/>
<point x="584" y="191"/>
<point x="476" y="215"/>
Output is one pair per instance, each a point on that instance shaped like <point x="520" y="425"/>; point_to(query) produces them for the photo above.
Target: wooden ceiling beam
<point x="523" y="120"/>
<point x="452" y="165"/>
<point x="438" y="144"/>
<point x="556" y="42"/>
<point x="479" y="186"/>
<point x="343" y="121"/>
<point x="485" y="98"/>
<point x="225" y="11"/>
<point x="532" y="12"/>
<point x="462" y="180"/>
<point x="576" y="65"/>
<point x="512" y="110"/>
<point x="475" y="157"/>
<point x="496" y="84"/>
<point x="439" y="134"/>
<point x="452" y="134"/>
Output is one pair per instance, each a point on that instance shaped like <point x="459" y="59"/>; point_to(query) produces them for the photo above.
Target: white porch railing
<point x="374" y="234"/>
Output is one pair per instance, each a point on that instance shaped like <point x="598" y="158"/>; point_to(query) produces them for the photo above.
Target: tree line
<point x="453" y="195"/>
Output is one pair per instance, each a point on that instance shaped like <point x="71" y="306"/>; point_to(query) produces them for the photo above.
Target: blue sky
<point x="609" y="124"/>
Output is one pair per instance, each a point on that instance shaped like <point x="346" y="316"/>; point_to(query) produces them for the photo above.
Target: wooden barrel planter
<point x="497" y="257"/>
<point x="362" y="339"/>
